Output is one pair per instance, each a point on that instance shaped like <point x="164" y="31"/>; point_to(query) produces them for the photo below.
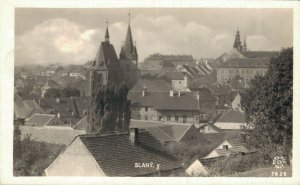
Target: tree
<point x="109" y="109"/>
<point x="268" y="106"/>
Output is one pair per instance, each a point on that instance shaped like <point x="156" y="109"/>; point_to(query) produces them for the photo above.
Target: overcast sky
<point x="72" y="36"/>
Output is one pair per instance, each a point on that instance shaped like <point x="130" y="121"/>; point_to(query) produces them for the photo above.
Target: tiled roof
<point x="54" y="135"/>
<point x="151" y="85"/>
<point x="237" y="146"/>
<point x="167" y="64"/>
<point x="163" y="100"/>
<point x="117" y="156"/>
<point x="246" y="63"/>
<point x="258" y="54"/>
<point x="175" y="75"/>
<point x="145" y="123"/>
<point x="233" y="116"/>
<point x="39" y="120"/>
<point x="220" y="89"/>
<point x="209" y="161"/>
<point x="224" y="152"/>
<point x="51" y="84"/>
<point x="65" y="106"/>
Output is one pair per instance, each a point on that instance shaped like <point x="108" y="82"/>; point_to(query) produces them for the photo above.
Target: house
<point x="167" y="136"/>
<point x="200" y="167"/>
<point x="222" y="93"/>
<point x="51" y="134"/>
<point x="180" y="107"/>
<point x="233" y="119"/>
<point x="229" y="147"/>
<point x="40" y="120"/>
<point x="111" y="154"/>
<point x="152" y="85"/>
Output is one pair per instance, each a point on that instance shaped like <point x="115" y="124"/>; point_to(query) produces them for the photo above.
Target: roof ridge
<point x="184" y="132"/>
<point x="103" y="134"/>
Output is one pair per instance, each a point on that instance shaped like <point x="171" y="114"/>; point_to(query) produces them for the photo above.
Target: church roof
<point x="258" y="54"/>
<point x="128" y="50"/>
<point x="106" y="56"/>
<point x="246" y="63"/>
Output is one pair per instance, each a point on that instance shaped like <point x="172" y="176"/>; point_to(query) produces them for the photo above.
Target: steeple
<point x="245" y="44"/>
<point x="128" y="50"/>
<point x="106" y="34"/>
<point x="237" y="42"/>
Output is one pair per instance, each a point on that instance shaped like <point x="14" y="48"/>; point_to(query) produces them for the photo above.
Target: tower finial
<point x="129" y="18"/>
<point x="106" y="34"/>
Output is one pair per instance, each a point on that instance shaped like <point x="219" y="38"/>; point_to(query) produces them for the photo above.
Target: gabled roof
<point x="39" y="120"/>
<point x="151" y="85"/>
<point x="220" y="89"/>
<point x="163" y="101"/>
<point x="26" y="108"/>
<point x="175" y="75"/>
<point x="134" y="123"/>
<point x="237" y="146"/>
<point x="116" y="156"/>
<point x="246" y="63"/>
<point x="106" y="56"/>
<point x="233" y="116"/>
<point x="54" y="135"/>
<point x="65" y="106"/>
<point x="258" y="54"/>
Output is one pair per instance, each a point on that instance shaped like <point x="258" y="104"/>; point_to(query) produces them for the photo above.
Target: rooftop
<point x="258" y="54"/>
<point x="39" y="120"/>
<point x="246" y="63"/>
<point x="117" y="156"/>
<point x="232" y="116"/>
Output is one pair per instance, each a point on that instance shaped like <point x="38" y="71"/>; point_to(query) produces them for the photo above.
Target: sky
<point x="72" y="36"/>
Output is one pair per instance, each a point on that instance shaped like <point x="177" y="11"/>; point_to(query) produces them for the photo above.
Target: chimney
<point x="198" y="96"/>
<point x="57" y="100"/>
<point x="171" y="93"/>
<point x="133" y="136"/>
<point x="58" y="115"/>
<point x="179" y="94"/>
<point x="144" y="93"/>
<point x="144" y="90"/>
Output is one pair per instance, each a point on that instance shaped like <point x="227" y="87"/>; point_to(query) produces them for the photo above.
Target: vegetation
<point x="62" y="93"/>
<point x="109" y="109"/>
<point x="30" y="158"/>
<point x="268" y="104"/>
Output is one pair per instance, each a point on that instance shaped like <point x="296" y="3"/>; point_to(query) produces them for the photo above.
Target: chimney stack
<point x="133" y="136"/>
<point x="171" y="93"/>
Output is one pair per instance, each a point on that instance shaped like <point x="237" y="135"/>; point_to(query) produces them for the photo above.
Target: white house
<point x="114" y="154"/>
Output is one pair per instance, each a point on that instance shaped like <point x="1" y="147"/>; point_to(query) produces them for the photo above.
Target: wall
<point x="74" y="161"/>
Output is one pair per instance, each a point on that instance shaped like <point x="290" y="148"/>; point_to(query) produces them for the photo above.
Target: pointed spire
<point x="237" y="42"/>
<point x="106" y="34"/>
<point x="245" y="44"/>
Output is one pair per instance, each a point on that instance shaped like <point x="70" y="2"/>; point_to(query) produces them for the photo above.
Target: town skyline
<point x="72" y="36"/>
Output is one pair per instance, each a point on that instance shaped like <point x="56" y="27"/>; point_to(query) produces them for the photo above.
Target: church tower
<point x="237" y="42"/>
<point x="129" y="59"/>
<point x="105" y="69"/>
<point x="245" y="44"/>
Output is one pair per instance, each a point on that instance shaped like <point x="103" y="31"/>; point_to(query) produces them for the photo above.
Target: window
<point x="146" y="109"/>
<point x="225" y="147"/>
<point x="146" y="117"/>
<point x="184" y="119"/>
<point x="179" y="82"/>
<point x="176" y="118"/>
<point x="168" y="118"/>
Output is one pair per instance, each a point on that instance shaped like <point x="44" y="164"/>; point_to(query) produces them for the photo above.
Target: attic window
<point x="225" y="147"/>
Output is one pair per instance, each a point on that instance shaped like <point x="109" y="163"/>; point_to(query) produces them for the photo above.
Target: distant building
<point x="180" y="81"/>
<point x="208" y="128"/>
<point x="110" y="155"/>
<point x="50" y="84"/>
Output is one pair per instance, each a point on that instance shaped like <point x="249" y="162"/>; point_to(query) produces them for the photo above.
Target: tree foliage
<point x="62" y="93"/>
<point x="30" y="158"/>
<point x="268" y="104"/>
<point x="109" y="109"/>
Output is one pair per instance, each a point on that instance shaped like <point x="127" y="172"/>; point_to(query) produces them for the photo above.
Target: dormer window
<point x="225" y="147"/>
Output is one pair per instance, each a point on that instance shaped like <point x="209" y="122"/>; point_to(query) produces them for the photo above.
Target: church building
<point x="108" y="69"/>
